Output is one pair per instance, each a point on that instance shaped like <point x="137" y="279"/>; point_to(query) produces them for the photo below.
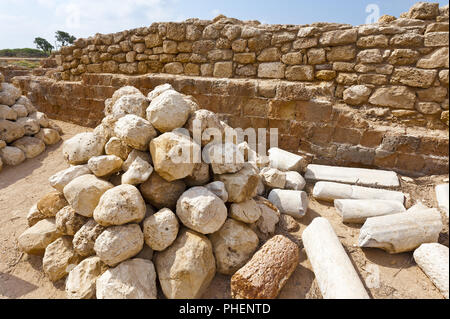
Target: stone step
<point x="335" y="274"/>
<point x="350" y="175"/>
<point x="330" y="191"/>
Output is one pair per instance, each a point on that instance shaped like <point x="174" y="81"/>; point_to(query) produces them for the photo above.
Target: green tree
<point x="64" y="38"/>
<point x="43" y="45"/>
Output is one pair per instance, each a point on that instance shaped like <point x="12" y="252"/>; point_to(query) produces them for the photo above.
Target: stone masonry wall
<point x="400" y="64"/>
<point x="373" y="96"/>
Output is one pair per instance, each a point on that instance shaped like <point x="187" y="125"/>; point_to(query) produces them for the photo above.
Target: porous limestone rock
<point x="81" y="281"/>
<point x="105" y="165"/>
<point x="31" y="126"/>
<point x="51" y="203"/>
<point x="68" y="222"/>
<point x="294" y="203"/>
<point x="80" y="148"/>
<point x="115" y="146"/>
<point x="31" y="146"/>
<point x="294" y="181"/>
<point x="135" y="131"/>
<point x="34" y="215"/>
<point x="135" y="104"/>
<point x="263" y="277"/>
<point x="158" y="90"/>
<point x="207" y="125"/>
<point x="187" y="267"/>
<point x="402" y="232"/>
<point x="218" y="189"/>
<point x="11" y="155"/>
<point x="161" y="193"/>
<point x="233" y="246"/>
<point x="20" y="109"/>
<point x="132" y="157"/>
<point x="59" y="257"/>
<point x="41" y="118"/>
<point x="123" y="91"/>
<point x="247" y="212"/>
<point x="120" y="205"/>
<point x="84" y="192"/>
<point x="270" y="216"/>
<point x="358" y="210"/>
<point x="442" y="195"/>
<point x="201" y="210"/>
<point x="273" y="177"/>
<point x="241" y="186"/>
<point x="35" y="239"/>
<point x="433" y="260"/>
<point x="174" y="155"/>
<point x="161" y="229"/>
<point x="334" y="271"/>
<point x="132" y="279"/>
<point x="7" y="113"/>
<point x="9" y="94"/>
<point x="357" y="94"/>
<point x="168" y="111"/>
<point x="10" y="131"/>
<point x="199" y="176"/>
<point x="118" y="243"/>
<point x="23" y="100"/>
<point x="59" y="180"/>
<point x="224" y="158"/>
<point x="138" y="172"/>
<point x="84" y="239"/>
<point x="49" y="136"/>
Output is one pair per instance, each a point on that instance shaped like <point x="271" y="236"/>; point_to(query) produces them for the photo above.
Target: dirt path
<point x="21" y="275"/>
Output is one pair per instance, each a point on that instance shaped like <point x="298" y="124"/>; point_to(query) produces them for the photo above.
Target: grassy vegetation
<point x="23" y="53"/>
<point x="26" y="64"/>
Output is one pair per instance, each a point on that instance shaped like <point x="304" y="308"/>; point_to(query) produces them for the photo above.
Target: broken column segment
<point x="351" y="175"/>
<point x="358" y="210"/>
<point x="402" y="232"/>
<point x="442" y="194"/>
<point x="286" y="161"/>
<point x="433" y="260"/>
<point x="335" y="274"/>
<point x="262" y="277"/>
<point x="294" y="203"/>
<point x="329" y="191"/>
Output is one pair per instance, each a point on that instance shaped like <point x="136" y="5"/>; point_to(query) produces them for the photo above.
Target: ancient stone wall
<point x="372" y="95"/>
<point x="401" y="63"/>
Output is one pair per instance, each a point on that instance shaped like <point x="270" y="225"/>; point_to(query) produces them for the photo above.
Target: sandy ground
<point x="21" y="275"/>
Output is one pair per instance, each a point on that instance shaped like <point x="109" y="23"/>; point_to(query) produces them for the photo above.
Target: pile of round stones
<point x="125" y="197"/>
<point x="24" y="132"/>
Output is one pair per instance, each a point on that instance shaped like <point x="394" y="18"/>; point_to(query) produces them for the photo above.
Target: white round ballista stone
<point x="335" y="274"/>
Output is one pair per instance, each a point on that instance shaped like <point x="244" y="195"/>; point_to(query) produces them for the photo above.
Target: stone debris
<point x="335" y="274"/>
<point x="433" y="259"/>
<point x="350" y="175"/>
<point x="263" y="277"/>
<point x="144" y="187"/>
<point x="358" y="210"/>
<point x="402" y="232"/>
<point x="442" y="195"/>
<point x="329" y="191"/>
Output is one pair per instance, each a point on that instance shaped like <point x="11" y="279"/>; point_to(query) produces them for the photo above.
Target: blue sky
<point x="23" y="20"/>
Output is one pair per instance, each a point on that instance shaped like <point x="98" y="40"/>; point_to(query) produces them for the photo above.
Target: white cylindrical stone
<point x="358" y="210"/>
<point x="294" y="203"/>
<point x="335" y="274"/>
<point x="433" y="260"/>
<point x="351" y="175"/>
<point x="402" y="232"/>
<point x="285" y="161"/>
<point x="329" y="191"/>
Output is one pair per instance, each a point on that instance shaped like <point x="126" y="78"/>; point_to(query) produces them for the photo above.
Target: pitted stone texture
<point x="135" y="131"/>
<point x="35" y="239"/>
<point x="118" y="243"/>
<point x="31" y="146"/>
<point x="84" y="239"/>
<point x="59" y="257"/>
<point x="207" y="124"/>
<point x="233" y="246"/>
<point x="224" y="158"/>
<point x="135" y="104"/>
<point x="247" y="212"/>
<point x="161" y="193"/>
<point x="9" y="94"/>
<point x="105" y="165"/>
<point x="160" y="229"/>
<point x="59" y="180"/>
<point x="132" y="279"/>
<point x="80" y="148"/>
<point x="68" y="222"/>
<point x="81" y="281"/>
<point x="120" y="205"/>
<point x="10" y="131"/>
<point x="218" y="189"/>
<point x="31" y="126"/>
<point x="241" y="186"/>
<point x="138" y="172"/>
<point x="187" y="267"/>
<point x="201" y="210"/>
<point x="115" y="146"/>
<point x="49" y="136"/>
<point x="50" y="204"/>
<point x="11" y="155"/>
<point x="84" y="192"/>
